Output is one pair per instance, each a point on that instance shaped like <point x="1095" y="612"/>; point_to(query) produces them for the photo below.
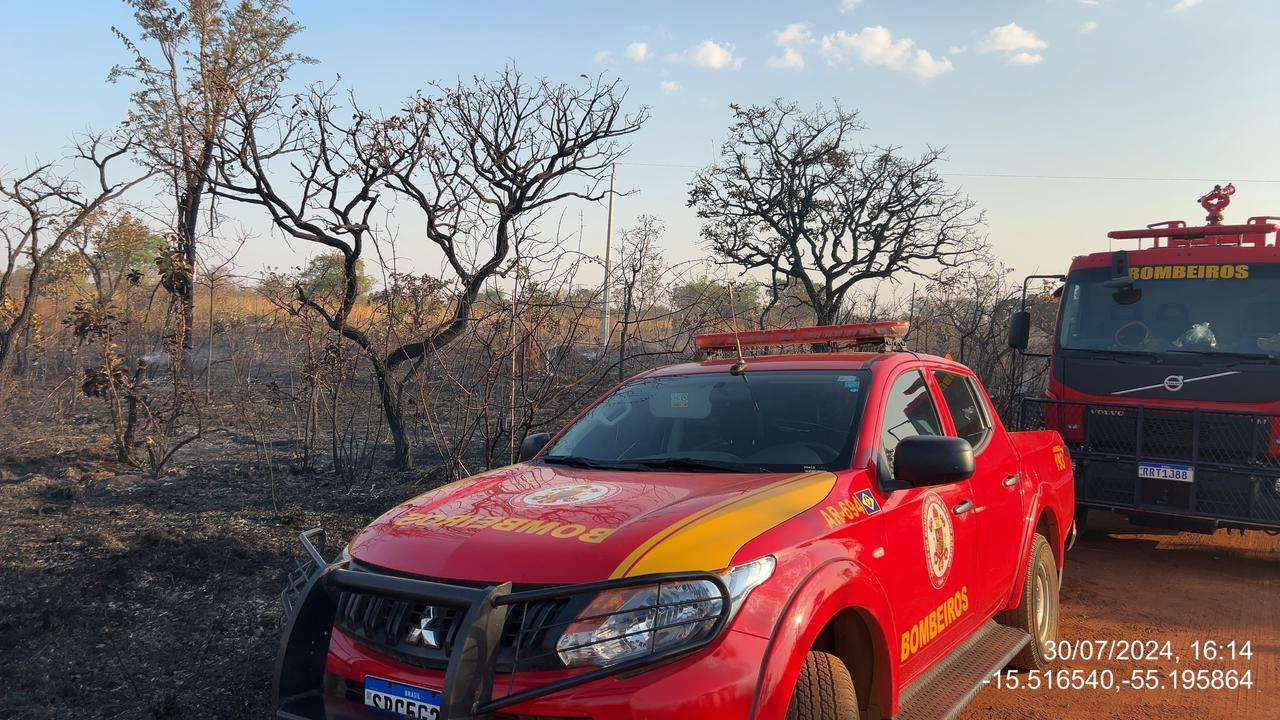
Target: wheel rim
<point x="1042" y="606"/>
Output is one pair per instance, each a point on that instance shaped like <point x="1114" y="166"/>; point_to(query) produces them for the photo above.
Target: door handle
<point x="1012" y="480"/>
<point x="962" y="507"/>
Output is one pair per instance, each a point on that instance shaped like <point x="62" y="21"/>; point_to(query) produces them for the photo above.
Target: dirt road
<point x="1137" y="584"/>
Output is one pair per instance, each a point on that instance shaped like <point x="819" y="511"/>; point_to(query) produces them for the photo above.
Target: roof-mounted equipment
<point x="875" y="337"/>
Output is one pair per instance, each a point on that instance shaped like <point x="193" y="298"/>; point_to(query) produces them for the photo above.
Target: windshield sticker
<point x="1190" y="272"/>
<point x="550" y="528"/>
<point x="939" y="539"/>
<point x="934" y="624"/>
<point x="679" y="401"/>
<point x="559" y="495"/>
<point x="850" y="382"/>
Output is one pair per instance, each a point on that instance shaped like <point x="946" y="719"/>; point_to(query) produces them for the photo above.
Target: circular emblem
<point x="939" y="539"/>
<point x="1173" y="383"/>
<point x="575" y="494"/>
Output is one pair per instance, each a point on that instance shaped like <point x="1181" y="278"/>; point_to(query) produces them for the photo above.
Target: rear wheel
<point x="1037" y="611"/>
<point x="824" y="690"/>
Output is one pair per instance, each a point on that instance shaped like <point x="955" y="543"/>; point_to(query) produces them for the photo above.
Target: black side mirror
<point x="533" y="444"/>
<point x="1020" y="330"/>
<point x="924" y="460"/>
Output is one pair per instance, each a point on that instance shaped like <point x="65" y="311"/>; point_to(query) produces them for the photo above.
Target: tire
<point x="1037" y="611"/>
<point x="824" y="690"/>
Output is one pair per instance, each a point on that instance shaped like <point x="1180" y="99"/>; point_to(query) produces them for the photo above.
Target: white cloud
<point x="957" y="49"/>
<point x="1089" y="3"/>
<point x="848" y="5"/>
<point x="1184" y="5"/>
<point x="792" y="39"/>
<point x="603" y="57"/>
<point x="708" y="54"/>
<point x="638" y="51"/>
<point x="790" y="59"/>
<point x="1017" y="44"/>
<point x="670" y="87"/>
<point x="876" y="46"/>
<point x="1088" y="26"/>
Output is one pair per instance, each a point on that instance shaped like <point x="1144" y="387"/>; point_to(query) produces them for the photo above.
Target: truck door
<point x="931" y="539"/>
<point x="996" y="484"/>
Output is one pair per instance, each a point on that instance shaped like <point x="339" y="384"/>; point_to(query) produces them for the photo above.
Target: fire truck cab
<point x="1164" y="373"/>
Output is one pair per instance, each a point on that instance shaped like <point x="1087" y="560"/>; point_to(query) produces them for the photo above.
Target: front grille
<point x="384" y="624"/>
<point x="1236" y="457"/>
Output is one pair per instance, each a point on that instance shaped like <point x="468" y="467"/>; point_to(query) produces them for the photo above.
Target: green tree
<point x="325" y="279"/>
<point x="196" y="62"/>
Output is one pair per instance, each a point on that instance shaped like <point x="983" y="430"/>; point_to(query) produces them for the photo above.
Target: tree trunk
<point x="390" y="391"/>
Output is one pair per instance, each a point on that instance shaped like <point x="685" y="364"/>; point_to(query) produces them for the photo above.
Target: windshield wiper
<point x="1241" y="356"/>
<point x="591" y="463"/>
<point x="695" y="464"/>
<point x="1119" y="354"/>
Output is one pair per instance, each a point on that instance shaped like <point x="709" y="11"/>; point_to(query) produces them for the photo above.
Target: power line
<point x="1019" y="176"/>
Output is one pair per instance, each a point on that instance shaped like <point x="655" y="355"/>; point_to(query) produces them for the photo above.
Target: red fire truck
<point x="1164" y="373"/>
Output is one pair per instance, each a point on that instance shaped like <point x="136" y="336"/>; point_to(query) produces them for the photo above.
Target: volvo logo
<point x="425" y="634"/>
<point x="1174" y="383"/>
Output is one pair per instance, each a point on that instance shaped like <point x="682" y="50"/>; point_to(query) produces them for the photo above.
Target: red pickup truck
<point x="839" y="534"/>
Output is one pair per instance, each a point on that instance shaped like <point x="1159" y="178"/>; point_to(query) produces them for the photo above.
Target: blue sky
<point x="1159" y="89"/>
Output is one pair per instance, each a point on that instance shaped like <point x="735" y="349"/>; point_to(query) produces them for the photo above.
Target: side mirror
<point x="925" y="460"/>
<point x="533" y="444"/>
<point x="1020" y="330"/>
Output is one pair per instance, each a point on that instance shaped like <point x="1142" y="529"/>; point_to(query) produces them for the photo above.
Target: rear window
<point x="966" y="409"/>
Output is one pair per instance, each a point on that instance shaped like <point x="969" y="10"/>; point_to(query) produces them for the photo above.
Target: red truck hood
<point x="543" y="524"/>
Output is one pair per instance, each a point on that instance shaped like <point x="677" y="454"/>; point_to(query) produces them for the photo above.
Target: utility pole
<point x="608" y="265"/>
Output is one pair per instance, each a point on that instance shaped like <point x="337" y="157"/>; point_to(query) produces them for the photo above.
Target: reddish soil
<point x="1136" y="583"/>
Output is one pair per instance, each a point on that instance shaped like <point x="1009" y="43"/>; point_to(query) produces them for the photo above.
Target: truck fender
<point x="1056" y="540"/>
<point x="830" y="587"/>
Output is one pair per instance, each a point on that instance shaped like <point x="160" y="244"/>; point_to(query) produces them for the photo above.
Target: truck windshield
<point x="771" y="421"/>
<point x="1226" y="309"/>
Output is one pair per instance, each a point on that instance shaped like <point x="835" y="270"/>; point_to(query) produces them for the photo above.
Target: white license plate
<point x="1161" y="471"/>
<point x="403" y="700"/>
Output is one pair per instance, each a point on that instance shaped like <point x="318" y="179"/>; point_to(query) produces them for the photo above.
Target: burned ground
<point x="129" y="596"/>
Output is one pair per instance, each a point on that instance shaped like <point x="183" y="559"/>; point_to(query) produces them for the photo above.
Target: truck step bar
<point x="942" y="693"/>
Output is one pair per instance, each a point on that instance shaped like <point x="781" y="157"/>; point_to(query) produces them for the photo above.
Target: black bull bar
<point x="1235" y="458"/>
<point x="310" y="601"/>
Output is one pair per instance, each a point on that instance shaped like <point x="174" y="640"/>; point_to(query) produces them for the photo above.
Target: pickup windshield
<point x="765" y="421"/>
<point x="1224" y="309"/>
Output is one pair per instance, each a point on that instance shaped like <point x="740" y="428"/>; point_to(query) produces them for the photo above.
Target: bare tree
<point x="638" y="279"/>
<point x="45" y="207"/>
<point x="193" y="61"/>
<point x="480" y="162"/>
<point x="793" y="195"/>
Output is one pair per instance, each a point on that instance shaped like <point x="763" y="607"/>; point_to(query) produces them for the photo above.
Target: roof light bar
<point x="852" y="334"/>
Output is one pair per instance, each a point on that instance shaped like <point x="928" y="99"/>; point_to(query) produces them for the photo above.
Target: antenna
<point x="740" y="367"/>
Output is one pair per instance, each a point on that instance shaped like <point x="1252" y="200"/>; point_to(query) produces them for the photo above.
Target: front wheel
<point x="1037" y="611"/>
<point x="824" y="690"/>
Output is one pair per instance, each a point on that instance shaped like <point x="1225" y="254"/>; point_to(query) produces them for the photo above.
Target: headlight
<point x="630" y="622"/>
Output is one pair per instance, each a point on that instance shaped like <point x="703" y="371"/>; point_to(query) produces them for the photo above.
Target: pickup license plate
<point x="1161" y="471"/>
<point x="403" y="700"/>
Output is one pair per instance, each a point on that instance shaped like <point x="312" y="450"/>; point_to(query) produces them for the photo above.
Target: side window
<point x="966" y="409"/>
<point x="908" y="412"/>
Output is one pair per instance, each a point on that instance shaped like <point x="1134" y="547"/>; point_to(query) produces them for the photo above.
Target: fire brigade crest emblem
<point x="939" y="539"/>
<point x="575" y="494"/>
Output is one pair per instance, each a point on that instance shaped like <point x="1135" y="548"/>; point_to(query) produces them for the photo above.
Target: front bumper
<point x="314" y="656"/>
<point x="1235" y="458"/>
